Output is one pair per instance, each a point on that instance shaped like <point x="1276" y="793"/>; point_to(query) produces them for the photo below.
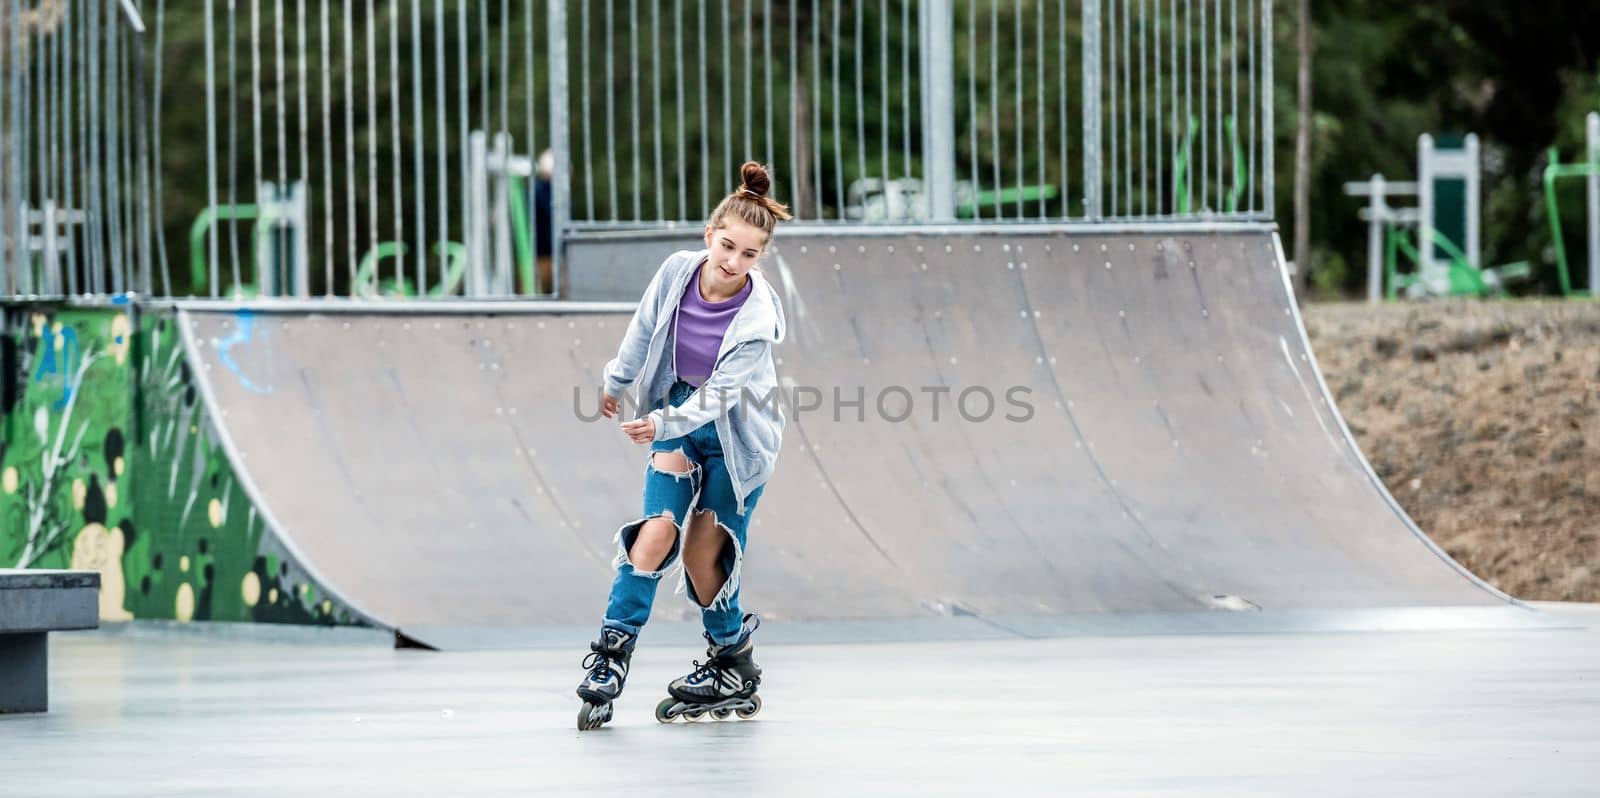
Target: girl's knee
<point x="703" y="539"/>
<point x="711" y="552"/>
<point x="654" y="543"/>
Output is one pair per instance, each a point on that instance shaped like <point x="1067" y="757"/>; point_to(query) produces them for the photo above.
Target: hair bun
<point x="756" y="181"/>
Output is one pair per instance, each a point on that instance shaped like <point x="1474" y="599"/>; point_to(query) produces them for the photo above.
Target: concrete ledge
<point x="16" y="578"/>
<point x="44" y="601"/>
<point x="32" y="604"/>
<point x="24" y="673"/>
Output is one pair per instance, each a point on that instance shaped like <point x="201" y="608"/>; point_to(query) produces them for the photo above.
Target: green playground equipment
<point x="521" y="230"/>
<point x="199" y="275"/>
<point x="1182" y="180"/>
<point x="1429" y="236"/>
<point x="367" y="286"/>
<point x="278" y="246"/>
<point x="970" y="202"/>
<point x="488" y="167"/>
<point x="278" y="261"/>
<point x="1183" y="175"/>
<point x="1589" y="169"/>
<point x="969" y="208"/>
<point x="1462" y="277"/>
<point x="1553" y="172"/>
<point x="872" y="199"/>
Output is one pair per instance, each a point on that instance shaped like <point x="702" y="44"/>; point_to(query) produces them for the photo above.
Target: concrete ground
<point x="142" y="711"/>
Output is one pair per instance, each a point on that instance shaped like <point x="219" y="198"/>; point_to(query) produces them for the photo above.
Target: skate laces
<point x="712" y="667"/>
<point x="599" y="663"/>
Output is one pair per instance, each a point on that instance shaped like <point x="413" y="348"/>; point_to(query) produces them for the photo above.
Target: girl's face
<point x="735" y="247"/>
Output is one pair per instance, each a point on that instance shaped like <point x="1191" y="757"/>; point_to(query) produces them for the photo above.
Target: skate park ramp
<point x="1180" y="456"/>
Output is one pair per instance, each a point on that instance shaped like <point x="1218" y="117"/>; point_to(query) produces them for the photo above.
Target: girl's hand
<point x="641" y="431"/>
<point x="609" y="406"/>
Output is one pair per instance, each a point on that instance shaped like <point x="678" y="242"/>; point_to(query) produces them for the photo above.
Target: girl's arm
<point x="624" y="368"/>
<point x="721" y="391"/>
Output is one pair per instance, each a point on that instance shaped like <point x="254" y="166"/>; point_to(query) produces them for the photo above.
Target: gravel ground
<point x="1483" y="418"/>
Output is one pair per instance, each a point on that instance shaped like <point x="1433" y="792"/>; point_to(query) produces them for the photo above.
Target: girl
<point x="699" y="353"/>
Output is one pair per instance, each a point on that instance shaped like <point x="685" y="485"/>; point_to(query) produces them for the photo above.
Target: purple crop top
<point x="698" y="329"/>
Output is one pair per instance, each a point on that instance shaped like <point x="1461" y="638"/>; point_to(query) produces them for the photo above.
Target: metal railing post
<point x="1091" y="109"/>
<point x="938" y="106"/>
<point x="52" y="249"/>
<point x="302" y="239"/>
<point x="1425" y="153"/>
<point x="1268" y="173"/>
<point x="11" y="227"/>
<point x="1474" y="191"/>
<point x="266" y="240"/>
<point x="1591" y="155"/>
<point x="499" y="198"/>
<point x="476" y="205"/>
<point x="561" y="175"/>
<point x="1377" y="205"/>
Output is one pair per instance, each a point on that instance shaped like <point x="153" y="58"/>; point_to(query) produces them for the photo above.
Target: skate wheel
<point x="721" y="714"/>
<point x="695" y="714"/>
<point x="755" y="706"/>
<point x="664" y="710"/>
<point x="592" y="716"/>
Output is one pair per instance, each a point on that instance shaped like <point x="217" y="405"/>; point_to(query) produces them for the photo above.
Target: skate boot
<point x="724" y="685"/>
<point x="608" y="671"/>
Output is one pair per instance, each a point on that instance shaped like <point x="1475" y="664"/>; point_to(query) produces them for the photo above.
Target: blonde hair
<point x="750" y="203"/>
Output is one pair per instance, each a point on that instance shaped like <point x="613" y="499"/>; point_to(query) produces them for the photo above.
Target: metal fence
<point x="366" y="147"/>
<point x="1184" y="107"/>
<point x="1168" y="94"/>
<point x="76" y="150"/>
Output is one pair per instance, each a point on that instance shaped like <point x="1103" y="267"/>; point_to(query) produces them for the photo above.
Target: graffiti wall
<point x="110" y="461"/>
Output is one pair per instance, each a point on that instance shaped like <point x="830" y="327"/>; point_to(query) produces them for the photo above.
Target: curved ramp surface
<point x="1008" y="425"/>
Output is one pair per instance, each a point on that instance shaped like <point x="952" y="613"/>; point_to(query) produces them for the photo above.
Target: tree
<point x="1302" y="151"/>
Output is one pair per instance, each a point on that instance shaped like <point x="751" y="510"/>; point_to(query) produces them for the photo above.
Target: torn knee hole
<point x="729" y="559"/>
<point x="649" y="553"/>
<point x="673" y="463"/>
<point x="659" y="532"/>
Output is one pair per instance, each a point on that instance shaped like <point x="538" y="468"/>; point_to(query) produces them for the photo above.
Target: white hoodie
<point x="741" y="395"/>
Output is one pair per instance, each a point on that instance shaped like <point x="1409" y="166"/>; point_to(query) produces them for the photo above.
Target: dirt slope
<point x="1484" y="420"/>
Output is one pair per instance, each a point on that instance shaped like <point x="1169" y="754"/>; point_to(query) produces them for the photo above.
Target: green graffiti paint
<point x="67" y="394"/>
<point x="109" y="460"/>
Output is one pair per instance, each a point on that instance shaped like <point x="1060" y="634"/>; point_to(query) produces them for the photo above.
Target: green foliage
<point x="1520" y="75"/>
<point x="1328" y="274"/>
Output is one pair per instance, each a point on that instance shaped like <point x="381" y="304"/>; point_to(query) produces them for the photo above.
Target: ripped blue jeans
<point x="706" y="488"/>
